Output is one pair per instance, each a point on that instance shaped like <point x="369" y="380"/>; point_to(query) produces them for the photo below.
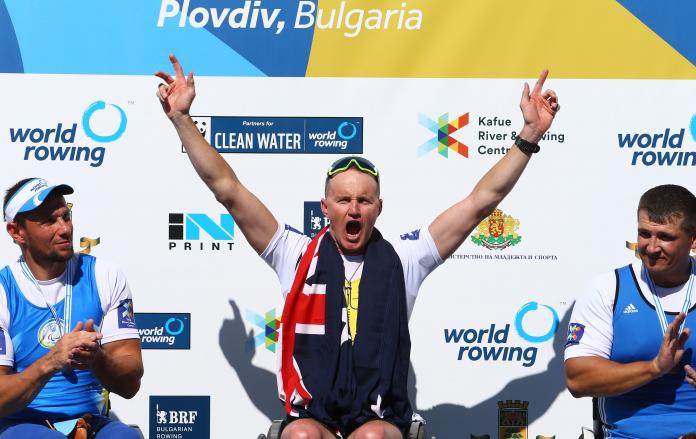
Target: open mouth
<point x="353" y="227"/>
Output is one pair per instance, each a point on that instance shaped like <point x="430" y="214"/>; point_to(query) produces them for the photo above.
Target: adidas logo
<point x="630" y="309"/>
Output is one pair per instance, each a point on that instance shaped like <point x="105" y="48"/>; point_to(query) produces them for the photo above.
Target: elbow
<point x="225" y="192"/>
<point x="131" y="384"/>
<point x="576" y="388"/>
<point x="128" y="392"/>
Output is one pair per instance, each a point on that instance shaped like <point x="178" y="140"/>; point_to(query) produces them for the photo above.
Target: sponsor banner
<point x="498" y="234"/>
<point x="101" y="124"/>
<point x="283" y="135"/>
<point x="314" y="219"/>
<point x="669" y="147"/>
<point x="499" y="344"/>
<point x="485" y="135"/>
<point x="200" y="231"/>
<point x="180" y="417"/>
<point x="164" y="330"/>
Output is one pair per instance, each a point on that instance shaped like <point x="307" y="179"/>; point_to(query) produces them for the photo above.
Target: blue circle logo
<point x="87" y="116"/>
<point x="353" y="130"/>
<point x="172" y="321"/>
<point x="692" y="126"/>
<point x="519" y="317"/>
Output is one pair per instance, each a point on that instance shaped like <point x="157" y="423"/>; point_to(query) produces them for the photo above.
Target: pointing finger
<point x="177" y="67"/>
<point x="540" y="82"/>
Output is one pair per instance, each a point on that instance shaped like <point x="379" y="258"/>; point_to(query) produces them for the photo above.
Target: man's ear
<point x="324" y="207"/>
<point x="16" y="232"/>
<point x="380" y="207"/>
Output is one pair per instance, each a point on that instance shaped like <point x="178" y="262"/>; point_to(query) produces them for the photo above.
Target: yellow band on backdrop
<point x="488" y="39"/>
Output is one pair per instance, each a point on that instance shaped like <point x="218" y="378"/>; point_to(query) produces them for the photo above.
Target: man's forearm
<point x="595" y="376"/>
<point x="17" y="390"/>
<point x="499" y="180"/>
<point x="119" y="374"/>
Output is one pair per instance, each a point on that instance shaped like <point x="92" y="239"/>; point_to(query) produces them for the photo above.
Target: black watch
<point x="528" y="147"/>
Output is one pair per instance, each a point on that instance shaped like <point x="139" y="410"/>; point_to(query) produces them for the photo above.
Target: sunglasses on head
<point x="343" y="164"/>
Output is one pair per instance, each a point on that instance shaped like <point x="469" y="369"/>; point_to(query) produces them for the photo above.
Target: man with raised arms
<point x="628" y="341"/>
<point x="341" y="375"/>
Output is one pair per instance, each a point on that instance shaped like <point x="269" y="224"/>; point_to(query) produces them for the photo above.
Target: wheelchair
<point x="415" y="431"/>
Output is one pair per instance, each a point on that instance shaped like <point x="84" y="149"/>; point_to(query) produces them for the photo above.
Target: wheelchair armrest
<point x="416" y="430"/>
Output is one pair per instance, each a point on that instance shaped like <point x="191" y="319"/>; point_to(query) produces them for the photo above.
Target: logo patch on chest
<point x="49" y="333"/>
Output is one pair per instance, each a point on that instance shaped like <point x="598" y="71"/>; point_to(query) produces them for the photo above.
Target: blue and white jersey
<point x="617" y="320"/>
<point x="28" y="330"/>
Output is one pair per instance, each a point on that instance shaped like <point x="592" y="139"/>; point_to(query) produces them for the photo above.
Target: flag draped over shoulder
<point x="322" y="374"/>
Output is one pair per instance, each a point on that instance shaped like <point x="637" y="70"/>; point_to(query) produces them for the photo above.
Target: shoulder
<point x="418" y="245"/>
<point x="103" y="266"/>
<point x="599" y="295"/>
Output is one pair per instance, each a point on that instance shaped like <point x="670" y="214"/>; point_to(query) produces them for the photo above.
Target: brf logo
<point x="314" y="219"/>
<point x="176" y="416"/>
<point x="182" y="417"/>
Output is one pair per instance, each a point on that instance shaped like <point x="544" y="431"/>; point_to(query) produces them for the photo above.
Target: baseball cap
<point x="31" y="195"/>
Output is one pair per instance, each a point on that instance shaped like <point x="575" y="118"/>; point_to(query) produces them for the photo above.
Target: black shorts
<point x="290" y="419"/>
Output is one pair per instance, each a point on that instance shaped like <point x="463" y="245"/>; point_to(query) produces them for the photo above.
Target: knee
<point x="301" y="430"/>
<point x="129" y="433"/>
<point x="372" y="430"/>
<point x="118" y="430"/>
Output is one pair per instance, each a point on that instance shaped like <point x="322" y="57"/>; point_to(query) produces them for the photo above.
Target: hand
<point x="176" y="94"/>
<point x="60" y="356"/>
<point x="238" y="346"/>
<point x="85" y="357"/>
<point x="538" y="109"/>
<point x="672" y="347"/>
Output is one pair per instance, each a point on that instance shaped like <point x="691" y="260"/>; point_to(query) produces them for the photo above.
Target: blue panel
<point x="115" y="37"/>
<point x="276" y="54"/>
<point x="10" y="57"/>
<point x="672" y="20"/>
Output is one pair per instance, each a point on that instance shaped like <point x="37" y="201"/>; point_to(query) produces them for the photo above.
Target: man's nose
<point x="63" y="226"/>
<point x="653" y="246"/>
<point x="354" y="208"/>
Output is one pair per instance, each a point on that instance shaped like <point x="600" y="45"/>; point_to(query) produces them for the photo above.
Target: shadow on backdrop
<point x="259" y="384"/>
<point x="445" y="421"/>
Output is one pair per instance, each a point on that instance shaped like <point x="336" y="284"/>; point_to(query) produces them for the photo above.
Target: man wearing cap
<point x="66" y="325"/>
<point x="343" y="361"/>
<point x="628" y="341"/>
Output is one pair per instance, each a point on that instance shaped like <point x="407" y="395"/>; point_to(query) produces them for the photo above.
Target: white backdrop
<point x="575" y="205"/>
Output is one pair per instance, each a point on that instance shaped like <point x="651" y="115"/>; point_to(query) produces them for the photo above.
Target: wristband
<point x="525" y="146"/>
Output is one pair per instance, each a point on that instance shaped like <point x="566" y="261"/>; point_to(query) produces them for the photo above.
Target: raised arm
<point x="251" y="215"/>
<point x="596" y="376"/>
<point x="453" y="225"/>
